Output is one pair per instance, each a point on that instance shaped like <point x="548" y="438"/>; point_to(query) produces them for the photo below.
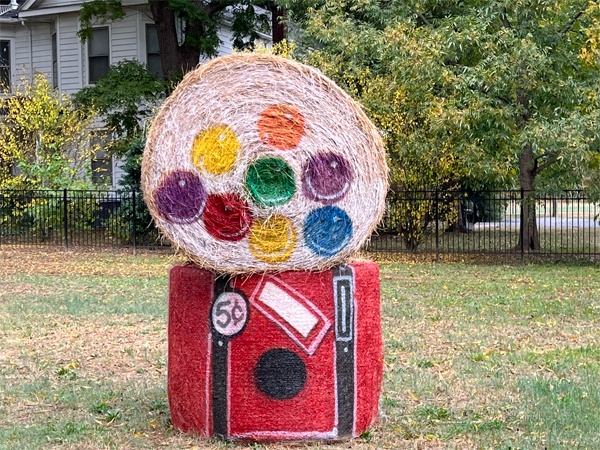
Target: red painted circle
<point x="281" y="127"/>
<point x="227" y="217"/>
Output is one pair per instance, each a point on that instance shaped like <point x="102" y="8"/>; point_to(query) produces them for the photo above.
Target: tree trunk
<point x="527" y="174"/>
<point x="459" y="226"/>
<point x="278" y="28"/>
<point x="528" y="170"/>
<point x="176" y="59"/>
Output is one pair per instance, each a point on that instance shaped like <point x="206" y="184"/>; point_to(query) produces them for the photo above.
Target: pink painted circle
<point x="229" y="313"/>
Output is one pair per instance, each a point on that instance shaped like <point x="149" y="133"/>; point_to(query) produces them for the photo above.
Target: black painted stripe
<point x="343" y="284"/>
<point x="220" y="351"/>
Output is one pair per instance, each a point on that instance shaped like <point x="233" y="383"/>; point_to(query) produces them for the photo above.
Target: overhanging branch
<point x="217" y="6"/>
<point x="552" y="158"/>
<point x="570" y="24"/>
<point x="486" y="92"/>
<point x="504" y="19"/>
<point x="423" y="18"/>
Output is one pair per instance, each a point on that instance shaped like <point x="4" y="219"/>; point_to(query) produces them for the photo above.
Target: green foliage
<point x="461" y="88"/>
<point x="202" y="27"/>
<point x="46" y="137"/>
<point x="500" y="94"/>
<point x="247" y="22"/>
<point x="122" y="222"/>
<point x="132" y="167"/>
<point x="202" y="21"/>
<point x="125" y="98"/>
<point x="412" y="215"/>
<point x="103" y="11"/>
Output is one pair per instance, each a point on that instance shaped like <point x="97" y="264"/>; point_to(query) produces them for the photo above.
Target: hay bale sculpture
<point x="270" y="178"/>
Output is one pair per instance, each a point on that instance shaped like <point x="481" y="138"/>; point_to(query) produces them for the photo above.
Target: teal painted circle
<point x="270" y="182"/>
<point x="327" y="230"/>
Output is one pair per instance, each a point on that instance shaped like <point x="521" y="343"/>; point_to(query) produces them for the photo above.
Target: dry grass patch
<point x="85" y="262"/>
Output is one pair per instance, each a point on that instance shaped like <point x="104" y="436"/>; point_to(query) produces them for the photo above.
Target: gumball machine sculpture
<point x="270" y="178"/>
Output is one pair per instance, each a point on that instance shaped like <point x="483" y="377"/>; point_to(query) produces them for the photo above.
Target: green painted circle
<point x="270" y="182"/>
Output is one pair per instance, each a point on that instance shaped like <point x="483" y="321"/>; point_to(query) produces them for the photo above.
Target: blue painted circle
<point x="327" y="230"/>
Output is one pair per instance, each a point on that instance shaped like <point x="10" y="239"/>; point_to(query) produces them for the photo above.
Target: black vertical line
<point x="595" y="230"/>
<point x="220" y="375"/>
<point x="437" y="228"/>
<point x="551" y="200"/>
<point x="522" y="227"/>
<point x="570" y="231"/>
<point x="134" y="224"/>
<point x="586" y="221"/>
<point x="2" y="216"/>
<point x="343" y="290"/>
<point x="503" y="220"/>
<point x="65" y="218"/>
<point x="581" y="223"/>
<point x="558" y="209"/>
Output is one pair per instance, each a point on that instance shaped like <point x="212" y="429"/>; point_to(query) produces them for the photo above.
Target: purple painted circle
<point x="326" y="178"/>
<point x="180" y="197"/>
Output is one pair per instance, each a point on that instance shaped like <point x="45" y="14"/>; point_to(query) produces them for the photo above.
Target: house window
<point x="4" y="66"/>
<point x="98" y="53"/>
<point x="152" y="53"/>
<point x="180" y="26"/>
<point x="102" y="173"/>
<point x="54" y="61"/>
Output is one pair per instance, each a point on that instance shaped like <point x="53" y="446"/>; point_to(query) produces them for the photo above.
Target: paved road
<point x="543" y="222"/>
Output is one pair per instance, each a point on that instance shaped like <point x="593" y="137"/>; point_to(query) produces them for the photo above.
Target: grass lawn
<point x="477" y="356"/>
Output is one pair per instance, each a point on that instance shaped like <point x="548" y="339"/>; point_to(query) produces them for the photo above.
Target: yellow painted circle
<point x="215" y="150"/>
<point x="272" y="240"/>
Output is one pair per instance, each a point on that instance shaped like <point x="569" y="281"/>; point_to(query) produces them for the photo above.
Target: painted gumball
<point x="270" y="181"/>
<point x="227" y="217"/>
<point x="326" y="178"/>
<point x="180" y="197"/>
<point x="327" y="230"/>
<point x="281" y="127"/>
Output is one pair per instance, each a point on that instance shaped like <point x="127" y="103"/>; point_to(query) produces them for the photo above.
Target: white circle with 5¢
<point x="229" y="313"/>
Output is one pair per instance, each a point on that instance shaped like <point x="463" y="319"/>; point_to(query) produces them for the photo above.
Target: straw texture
<point x="258" y="163"/>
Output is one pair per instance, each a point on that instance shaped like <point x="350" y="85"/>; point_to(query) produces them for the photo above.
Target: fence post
<point x="1" y="207"/>
<point x="134" y="224"/>
<point x="522" y="228"/>
<point x="65" y="220"/>
<point x="437" y="228"/>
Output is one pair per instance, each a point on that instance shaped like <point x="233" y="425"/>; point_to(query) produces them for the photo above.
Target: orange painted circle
<point x="281" y="127"/>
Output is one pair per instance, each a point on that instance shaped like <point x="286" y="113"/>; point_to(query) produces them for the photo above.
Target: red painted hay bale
<point x="296" y="355"/>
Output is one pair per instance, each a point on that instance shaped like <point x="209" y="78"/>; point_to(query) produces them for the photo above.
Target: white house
<point x="40" y="36"/>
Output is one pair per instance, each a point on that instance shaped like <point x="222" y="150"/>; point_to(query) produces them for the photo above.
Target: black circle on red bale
<point x="280" y="374"/>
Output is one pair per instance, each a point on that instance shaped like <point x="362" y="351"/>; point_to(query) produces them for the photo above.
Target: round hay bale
<point x="258" y="163"/>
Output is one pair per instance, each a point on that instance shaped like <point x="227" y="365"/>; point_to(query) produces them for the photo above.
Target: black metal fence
<point x="491" y="222"/>
<point x="76" y="218"/>
<point x="416" y="222"/>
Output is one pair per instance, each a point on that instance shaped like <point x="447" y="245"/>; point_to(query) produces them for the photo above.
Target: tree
<point x="200" y="20"/>
<point x="507" y="91"/>
<point x="125" y="98"/>
<point x="45" y="137"/>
